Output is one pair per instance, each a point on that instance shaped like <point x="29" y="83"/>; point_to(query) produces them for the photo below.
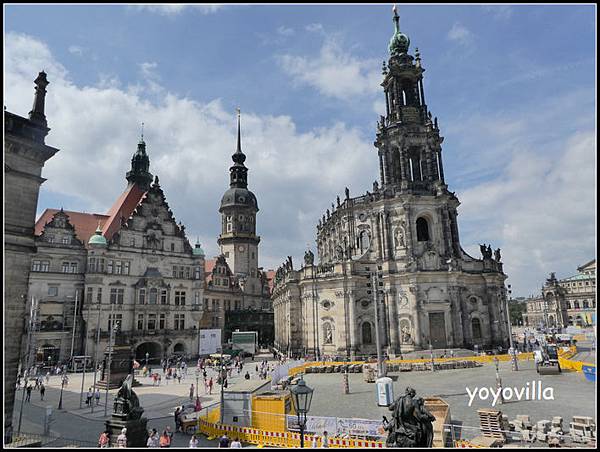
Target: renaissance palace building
<point x="430" y="291"/>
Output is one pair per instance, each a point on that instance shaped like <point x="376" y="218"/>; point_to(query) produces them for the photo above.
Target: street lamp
<point x="513" y="354"/>
<point x="62" y="386"/>
<point x="301" y="399"/>
<point x="113" y="330"/>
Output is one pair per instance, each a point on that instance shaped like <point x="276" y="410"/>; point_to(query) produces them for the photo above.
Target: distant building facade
<point x="405" y="230"/>
<point x="25" y="153"/>
<point x="237" y="289"/>
<point x="565" y="302"/>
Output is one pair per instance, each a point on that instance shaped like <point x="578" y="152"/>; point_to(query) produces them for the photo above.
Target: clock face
<point x="241" y="248"/>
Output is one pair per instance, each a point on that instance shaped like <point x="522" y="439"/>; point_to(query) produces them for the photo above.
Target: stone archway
<point x="179" y="348"/>
<point x="154" y="351"/>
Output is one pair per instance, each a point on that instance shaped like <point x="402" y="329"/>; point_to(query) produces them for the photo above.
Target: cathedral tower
<point x="238" y="240"/>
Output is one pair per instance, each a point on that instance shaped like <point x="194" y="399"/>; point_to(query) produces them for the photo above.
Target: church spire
<point x="238" y="173"/>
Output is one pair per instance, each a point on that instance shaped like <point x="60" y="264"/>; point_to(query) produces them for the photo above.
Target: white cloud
<point x="540" y="210"/>
<point x="334" y="72"/>
<point x="285" y="31"/>
<point x="190" y="144"/>
<point x="76" y="50"/>
<point x="314" y="28"/>
<point x="461" y="34"/>
<point x="500" y="12"/>
<point x="173" y="9"/>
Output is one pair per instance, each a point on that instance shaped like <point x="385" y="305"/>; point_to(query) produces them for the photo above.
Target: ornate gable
<point x="60" y="231"/>
<point x="152" y="220"/>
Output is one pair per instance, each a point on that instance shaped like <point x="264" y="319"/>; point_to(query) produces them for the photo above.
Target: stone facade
<point x="430" y="290"/>
<point x="25" y="153"/>
<point x="135" y="265"/>
<point x="138" y="268"/>
<point x="569" y="301"/>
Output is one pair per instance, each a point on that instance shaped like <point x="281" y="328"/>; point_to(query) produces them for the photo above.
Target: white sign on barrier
<point x="314" y="424"/>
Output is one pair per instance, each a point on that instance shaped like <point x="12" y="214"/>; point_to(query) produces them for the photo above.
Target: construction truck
<point x="546" y="360"/>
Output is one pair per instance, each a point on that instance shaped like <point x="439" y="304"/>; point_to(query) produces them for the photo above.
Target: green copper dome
<point x="97" y="239"/>
<point x="399" y="42"/>
<point x="198" y="251"/>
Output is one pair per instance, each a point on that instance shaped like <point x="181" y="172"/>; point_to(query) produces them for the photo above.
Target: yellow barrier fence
<point x="278" y="439"/>
<point x="481" y="359"/>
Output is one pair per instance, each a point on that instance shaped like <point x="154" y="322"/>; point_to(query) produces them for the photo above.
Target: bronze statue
<point x="411" y="424"/>
<point x="127" y="402"/>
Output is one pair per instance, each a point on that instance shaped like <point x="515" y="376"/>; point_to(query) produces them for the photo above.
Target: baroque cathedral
<point x="429" y="292"/>
<point x="134" y="265"/>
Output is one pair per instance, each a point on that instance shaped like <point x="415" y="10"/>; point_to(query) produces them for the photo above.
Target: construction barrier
<point x="480" y="359"/>
<point x="578" y="366"/>
<point x="464" y="444"/>
<point x="278" y="439"/>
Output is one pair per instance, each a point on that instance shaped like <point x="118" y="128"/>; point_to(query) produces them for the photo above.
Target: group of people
<point x="92" y="394"/>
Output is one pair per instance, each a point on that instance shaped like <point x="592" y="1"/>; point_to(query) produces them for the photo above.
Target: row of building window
<point x="64" y="240"/>
<point x="96" y="265"/>
<point x="44" y="266"/>
<point x="159" y="321"/>
<point x="216" y="304"/>
<point x="183" y="272"/>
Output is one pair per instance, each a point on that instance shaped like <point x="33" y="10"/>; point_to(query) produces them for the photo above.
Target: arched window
<point x="364" y="241"/>
<point x="422" y="230"/>
<point x="153" y="296"/>
<point x="327" y="333"/>
<point x="476" y="328"/>
<point x="366" y="333"/>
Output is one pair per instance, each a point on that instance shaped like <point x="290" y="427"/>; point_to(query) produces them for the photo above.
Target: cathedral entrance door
<point x="437" y="329"/>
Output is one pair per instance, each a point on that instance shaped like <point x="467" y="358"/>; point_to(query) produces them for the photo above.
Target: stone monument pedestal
<point x="129" y="416"/>
<point x="121" y="365"/>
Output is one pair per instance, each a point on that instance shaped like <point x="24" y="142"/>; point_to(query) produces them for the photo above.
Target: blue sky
<point x="513" y="88"/>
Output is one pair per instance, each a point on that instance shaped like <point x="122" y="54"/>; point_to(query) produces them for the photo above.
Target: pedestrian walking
<point x="177" y="419"/>
<point x="194" y="442"/>
<point x="104" y="440"/>
<point x="153" y="440"/>
<point x="192" y="392"/>
<point x="179" y="377"/>
<point x="224" y="441"/>
<point x="235" y="444"/>
<point x="122" y="438"/>
<point x="247" y="376"/>
<point x="165" y="441"/>
<point x="42" y="391"/>
<point x="325" y="442"/>
<point x="47" y="377"/>
<point x="89" y="397"/>
<point x="28" y="398"/>
<point x="210" y="385"/>
<point x="97" y="396"/>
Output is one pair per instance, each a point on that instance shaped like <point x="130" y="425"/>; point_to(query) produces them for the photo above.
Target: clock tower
<point x="238" y="240"/>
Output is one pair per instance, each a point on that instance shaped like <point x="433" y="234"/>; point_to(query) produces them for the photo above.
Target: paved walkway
<point x="159" y="403"/>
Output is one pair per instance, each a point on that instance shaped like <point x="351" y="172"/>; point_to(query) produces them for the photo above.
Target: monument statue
<point x="497" y="256"/>
<point x="309" y="258"/>
<point x="411" y="424"/>
<point x="127" y="413"/>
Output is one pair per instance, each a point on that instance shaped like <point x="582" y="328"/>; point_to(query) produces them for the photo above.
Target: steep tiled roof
<point x="123" y="207"/>
<point x="271" y="279"/>
<point x="85" y="224"/>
